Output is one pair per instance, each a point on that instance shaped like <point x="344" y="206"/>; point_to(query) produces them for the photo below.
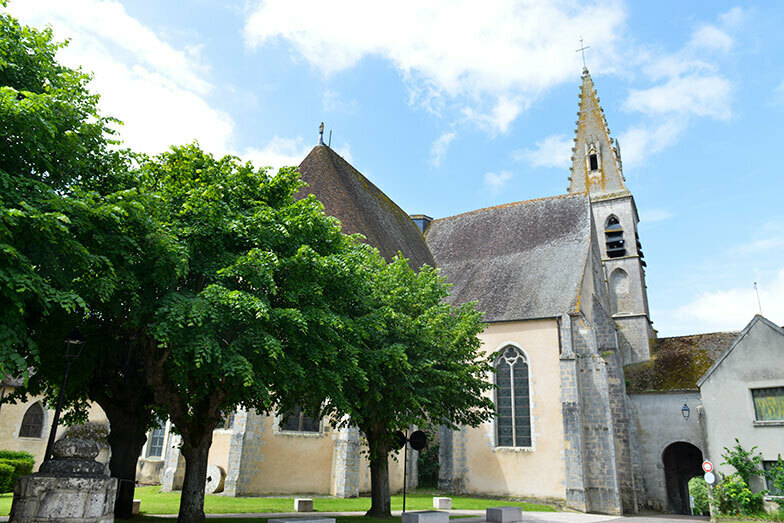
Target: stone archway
<point x="682" y="461"/>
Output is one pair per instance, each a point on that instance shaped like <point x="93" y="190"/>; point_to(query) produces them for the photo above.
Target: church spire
<point x="596" y="158"/>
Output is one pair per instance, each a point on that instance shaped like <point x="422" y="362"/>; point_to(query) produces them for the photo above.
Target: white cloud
<point x="159" y="92"/>
<point x="332" y="102"/>
<point x="440" y="146"/>
<point x="654" y="215"/>
<point x="639" y="142"/>
<point x="278" y="152"/>
<point x="732" y="309"/>
<point x="711" y="37"/>
<point x="495" y="182"/>
<point x="501" y="56"/>
<point x="692" y="94"/>
<point x="553" y="151"/>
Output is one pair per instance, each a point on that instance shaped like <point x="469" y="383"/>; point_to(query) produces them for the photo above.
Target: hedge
<point x="6" y="477"/>
<point x="13" y="465"/>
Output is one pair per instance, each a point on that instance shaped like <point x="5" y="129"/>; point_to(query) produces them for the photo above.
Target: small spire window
<point x="613" y="234"/>
<point x="593" y="162"/>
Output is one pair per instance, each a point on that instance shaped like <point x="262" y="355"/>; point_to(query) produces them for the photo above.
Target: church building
<point x="594" y="412"/>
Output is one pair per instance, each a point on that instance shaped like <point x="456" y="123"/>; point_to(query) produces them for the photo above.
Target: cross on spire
<point x="582" y="50"/>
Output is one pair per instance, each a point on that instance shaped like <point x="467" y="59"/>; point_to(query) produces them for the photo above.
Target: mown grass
<point x="156" y="502"/>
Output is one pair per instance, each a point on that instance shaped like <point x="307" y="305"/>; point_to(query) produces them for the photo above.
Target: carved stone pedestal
<point x="69" y="488"/>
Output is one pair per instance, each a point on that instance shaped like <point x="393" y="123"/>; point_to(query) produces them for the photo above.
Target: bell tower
<point x="597" y="170"/>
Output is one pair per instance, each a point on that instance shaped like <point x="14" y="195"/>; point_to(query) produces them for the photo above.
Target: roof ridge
<point x="510" y="204"/>
<point x="699" y="334"/>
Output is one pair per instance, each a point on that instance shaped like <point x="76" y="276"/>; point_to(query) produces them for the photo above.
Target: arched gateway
<point x="682" y="461"/>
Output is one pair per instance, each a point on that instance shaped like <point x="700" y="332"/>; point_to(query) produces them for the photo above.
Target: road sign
<point x="707" y="466"/>
<point x="710" y="478"/>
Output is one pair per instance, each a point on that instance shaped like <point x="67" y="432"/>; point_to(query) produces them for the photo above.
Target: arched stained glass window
<point x="513" y="425"/>
<point x="32" y="422"/>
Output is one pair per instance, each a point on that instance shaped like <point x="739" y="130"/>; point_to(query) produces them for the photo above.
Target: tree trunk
<point x="192" y="500"/>
<point x="381" y="501"/>
<point x="126" y="439"/>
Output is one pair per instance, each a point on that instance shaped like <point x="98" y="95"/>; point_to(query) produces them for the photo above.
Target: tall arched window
<point x="613" y="235"/>
<point x="32" y="422"/>
<point x="513" y="425"/>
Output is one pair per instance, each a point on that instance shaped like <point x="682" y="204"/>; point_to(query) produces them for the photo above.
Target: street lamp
<point x="685" y="411"/>
<point x="73" y="347"/>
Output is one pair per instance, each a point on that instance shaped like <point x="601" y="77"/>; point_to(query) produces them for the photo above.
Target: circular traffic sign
<point x="710" y="478"/>
<point x="418" y="440"/>
<point x="707" y="466"/>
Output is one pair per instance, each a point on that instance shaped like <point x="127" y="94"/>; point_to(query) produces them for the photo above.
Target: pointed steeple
<point x="596" y="158"/>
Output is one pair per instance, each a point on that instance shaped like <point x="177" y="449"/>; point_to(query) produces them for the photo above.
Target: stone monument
<point x="70" y="487"/>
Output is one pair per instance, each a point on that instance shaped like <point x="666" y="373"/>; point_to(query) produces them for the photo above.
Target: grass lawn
<point x="156" y="502"/>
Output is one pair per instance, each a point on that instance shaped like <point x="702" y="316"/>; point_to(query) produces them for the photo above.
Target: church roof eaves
<point x="520" y="261"/>
<point x="362" y="207"/>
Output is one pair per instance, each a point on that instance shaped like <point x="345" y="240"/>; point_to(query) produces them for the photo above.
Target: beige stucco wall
<point x="538" y="471"/>
<point x="11" y="421"/>
<point x="219" y="450"/>
<point x="755" y="362"/>
<point x="293" y="462"/>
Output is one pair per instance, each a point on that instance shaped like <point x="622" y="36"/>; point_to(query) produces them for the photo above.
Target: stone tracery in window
<point x="513" y="422"/>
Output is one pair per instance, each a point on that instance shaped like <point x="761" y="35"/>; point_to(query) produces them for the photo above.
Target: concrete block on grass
<point x="137" y="506"/>
<point x="303" y="505"/>
<point x="425" y="516"/>
<point x="504" y="514"/>
<point x="442" y="503"/>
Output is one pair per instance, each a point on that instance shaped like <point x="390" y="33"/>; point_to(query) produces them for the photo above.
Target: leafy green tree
<point x="421" y="362"/>
<point x="70" y="231"/>
<point x="263" y="306"/>
<point x="51" y="136"/>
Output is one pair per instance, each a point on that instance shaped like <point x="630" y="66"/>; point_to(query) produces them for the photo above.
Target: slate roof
<point x="521" y="260"/>
<point x="677" y="362"/>
<point x="362" y="207"/>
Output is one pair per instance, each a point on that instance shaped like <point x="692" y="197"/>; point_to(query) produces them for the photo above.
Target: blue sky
<point x="462" y="104"/>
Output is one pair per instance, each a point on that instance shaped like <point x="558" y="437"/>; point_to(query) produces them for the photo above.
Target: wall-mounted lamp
<point x="685" y="411"/>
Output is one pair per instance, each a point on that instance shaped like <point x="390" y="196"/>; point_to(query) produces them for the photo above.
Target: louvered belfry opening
<point x="613" y="233"/>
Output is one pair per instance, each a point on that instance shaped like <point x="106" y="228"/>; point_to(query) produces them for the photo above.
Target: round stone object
<point x="75" y="448"/>
<point x="215" y="479"/>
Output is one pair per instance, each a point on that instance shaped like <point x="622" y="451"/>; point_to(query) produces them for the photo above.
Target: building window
<point x="768" y="403"/>
<point x="297" y="421"/>
<point x="613" y="234"/>
<point x="768" y="467"/>
<point x="513" y="422"/>
<point x="593" y="162"/>
<point x="32" y="422"/>
<point x="155" y="442"/>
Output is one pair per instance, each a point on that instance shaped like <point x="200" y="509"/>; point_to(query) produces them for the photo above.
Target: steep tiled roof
<point x="361" y="206"/>
<point x="677" y="363"/>
<point x="522" y="260"/>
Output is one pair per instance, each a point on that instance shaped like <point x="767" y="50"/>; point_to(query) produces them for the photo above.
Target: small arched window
<point x="513" y="425"/>
<point x="613" y="235"/>
<point x="32" y="422"/>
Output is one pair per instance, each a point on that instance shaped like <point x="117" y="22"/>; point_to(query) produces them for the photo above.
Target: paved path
<point x="478" y="516"/>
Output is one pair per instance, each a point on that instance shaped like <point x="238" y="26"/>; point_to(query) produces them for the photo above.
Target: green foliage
<point x="13" y="465"/>
<point x="16" y="454"/>
<point x="745" y="462"/>
<point x="776" y="473"/>
<point x="734" y="497"/>
<point x="698" y="490"/>
<point x="6" y="477"/>
<point x="53" y="139"/>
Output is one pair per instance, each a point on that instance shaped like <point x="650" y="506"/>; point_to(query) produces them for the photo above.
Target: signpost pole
<point x="405" y="470"/>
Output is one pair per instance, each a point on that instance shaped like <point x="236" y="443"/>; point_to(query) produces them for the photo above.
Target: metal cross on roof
<point x="582" y="50"/>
